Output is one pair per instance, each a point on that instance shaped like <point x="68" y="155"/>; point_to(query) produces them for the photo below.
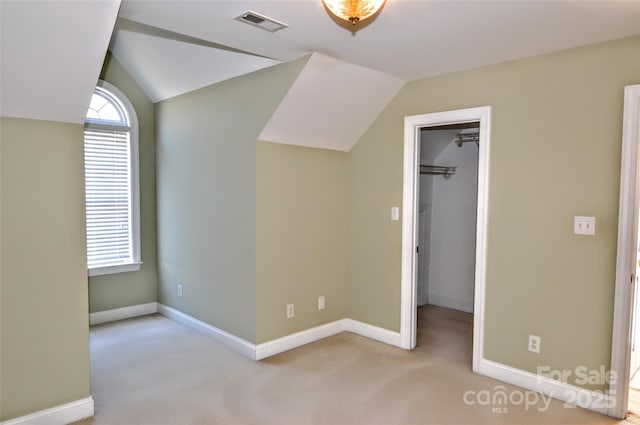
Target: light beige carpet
<point x="634" y="400"/>
<point x="152" y="371"/>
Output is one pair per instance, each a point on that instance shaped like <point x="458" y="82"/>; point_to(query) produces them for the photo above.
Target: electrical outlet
<point x="179" y="289"/>
<point x="321" y="303"/>
<point x="534" y="344"/>
<point x="290" y="311"/>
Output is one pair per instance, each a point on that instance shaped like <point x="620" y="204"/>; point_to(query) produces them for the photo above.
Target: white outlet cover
<point x="534" y="344"/>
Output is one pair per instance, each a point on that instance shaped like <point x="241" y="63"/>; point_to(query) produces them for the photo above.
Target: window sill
<point x="120" y="268"/>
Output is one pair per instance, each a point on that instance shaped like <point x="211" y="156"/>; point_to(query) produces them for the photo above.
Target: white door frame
<point x="626" y="257"/>
<point x="412" y="126"/>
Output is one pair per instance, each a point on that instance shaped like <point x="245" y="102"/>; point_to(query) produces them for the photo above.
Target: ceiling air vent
<point x="261" y="21"/>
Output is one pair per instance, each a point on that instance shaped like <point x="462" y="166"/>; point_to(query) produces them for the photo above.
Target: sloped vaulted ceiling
<point x="330" y="105"/>
<point x="339" y="93"/>
<point x="51" y="53"/>
<point x="167" y="64"/>
<point x="52" y="50"/>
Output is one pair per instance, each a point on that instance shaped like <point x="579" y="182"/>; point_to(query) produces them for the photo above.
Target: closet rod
<point x="467" y="137"/>
<point x="437" y="170"/>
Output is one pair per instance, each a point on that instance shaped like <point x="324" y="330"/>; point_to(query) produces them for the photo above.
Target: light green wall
<point x="375" y="166"/>
<point x="555" y="153"/>
<point x="301" y="237"/>
<point x="206" y="196"/>
<point x="44" y="338"/>
<point x="125" y="289"/>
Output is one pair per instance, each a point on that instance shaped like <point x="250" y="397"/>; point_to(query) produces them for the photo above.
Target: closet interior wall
<point x="447" y="221"/>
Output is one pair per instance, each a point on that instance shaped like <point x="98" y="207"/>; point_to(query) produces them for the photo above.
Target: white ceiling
<point x="51" y="53"/>
<point x="408" y="39"/>
<point x="165" y="65"/>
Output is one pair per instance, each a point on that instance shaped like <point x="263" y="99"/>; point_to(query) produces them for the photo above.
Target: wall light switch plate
<point x="584" y="225"/>
<point x="395" y="213"/>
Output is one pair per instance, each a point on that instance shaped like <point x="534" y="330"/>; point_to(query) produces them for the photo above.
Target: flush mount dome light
<point x="353" y="10"/>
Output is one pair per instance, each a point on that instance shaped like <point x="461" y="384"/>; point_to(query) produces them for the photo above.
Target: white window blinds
<point x="111" y="183"/>
<point x="108" y="197"/>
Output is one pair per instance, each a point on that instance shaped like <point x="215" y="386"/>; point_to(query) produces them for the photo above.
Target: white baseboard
<point x="122" y="313"/>
<point x="289" y="342"/>
<point x="286" y="343"/>
<point x="374" y="332"/>
<point x="298" y="339"/>
<point x="238" y="344"/>
<point x="59" y="415"/>
<point x="570" y="394"/>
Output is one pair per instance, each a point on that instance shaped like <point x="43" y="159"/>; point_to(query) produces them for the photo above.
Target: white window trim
<point x="120" y="268"/>
<point x="135" y="188"/>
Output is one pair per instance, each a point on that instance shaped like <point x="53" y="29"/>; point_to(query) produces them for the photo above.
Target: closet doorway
<point x="448" y="193"/>
<point x="447" y="205"/>
<point x="414" y="126"/>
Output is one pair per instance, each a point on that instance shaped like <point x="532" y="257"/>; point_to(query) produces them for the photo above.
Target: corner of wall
<point x="119" y="290"/>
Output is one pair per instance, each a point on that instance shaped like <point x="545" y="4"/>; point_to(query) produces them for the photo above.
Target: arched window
<point x="111" y="183"/>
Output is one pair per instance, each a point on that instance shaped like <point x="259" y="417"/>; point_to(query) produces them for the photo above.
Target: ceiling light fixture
<point x="353" y="11"/>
